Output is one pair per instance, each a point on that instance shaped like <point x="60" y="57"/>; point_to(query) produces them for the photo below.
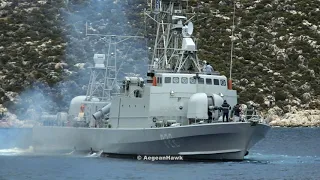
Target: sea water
<point x="285" y="153"/>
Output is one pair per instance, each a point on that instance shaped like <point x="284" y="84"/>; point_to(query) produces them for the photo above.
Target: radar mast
<point x="174" y="46"/>
<point x="103" y="78"/>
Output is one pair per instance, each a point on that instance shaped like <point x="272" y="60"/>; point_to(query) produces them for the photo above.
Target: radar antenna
<point x="174" y="47"/>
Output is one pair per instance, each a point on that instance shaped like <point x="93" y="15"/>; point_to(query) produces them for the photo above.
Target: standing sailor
<point x="225" y="109"/>
<point x="250" y="112"/>
<point x="208" y="69"/>
<point x="236" y="112"/>
<point x="1" y="113"/>
<point x="204" y="66"/>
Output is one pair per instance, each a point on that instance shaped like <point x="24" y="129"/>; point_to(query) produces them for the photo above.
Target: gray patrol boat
<point x="175" y="111"/>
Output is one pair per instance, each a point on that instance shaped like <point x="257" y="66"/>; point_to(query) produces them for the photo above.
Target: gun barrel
<point x="99" y="114"/>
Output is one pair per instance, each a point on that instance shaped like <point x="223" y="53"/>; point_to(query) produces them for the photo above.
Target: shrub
<point x="280" y="95"/>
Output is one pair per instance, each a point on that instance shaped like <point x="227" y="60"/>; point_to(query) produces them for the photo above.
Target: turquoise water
<point x="284" y="154"/>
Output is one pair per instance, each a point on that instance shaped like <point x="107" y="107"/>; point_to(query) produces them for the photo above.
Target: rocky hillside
<point x="276" y="49"/>
<point x="44" y="50"/>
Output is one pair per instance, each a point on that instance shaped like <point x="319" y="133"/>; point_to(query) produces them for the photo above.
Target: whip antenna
<point x="232" y="39"/>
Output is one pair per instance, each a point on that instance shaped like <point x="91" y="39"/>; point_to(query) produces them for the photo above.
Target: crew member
<point x="250" y="111"/>
<point x="204" y="66"/>
<point x="225" y="109"/>
<point x="1" y="113"/>
<point x="236" y="112"/>
<point x="208" y="69"/>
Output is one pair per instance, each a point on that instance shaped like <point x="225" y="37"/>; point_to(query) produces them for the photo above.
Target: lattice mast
<point x="100" y="79"/>
<point x="174" y="48"/>
<point x="103" y="78"/>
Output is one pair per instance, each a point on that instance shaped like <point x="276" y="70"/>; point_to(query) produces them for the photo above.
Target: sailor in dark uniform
<point x="236" y="112"/>
<point x="225" y="109"/>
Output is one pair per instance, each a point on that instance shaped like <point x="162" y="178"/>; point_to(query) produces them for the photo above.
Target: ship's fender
<point x="198" y="106"/>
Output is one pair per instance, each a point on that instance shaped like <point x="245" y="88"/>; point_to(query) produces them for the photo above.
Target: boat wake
<point x="30" y="151"/>
<point x="95" y="154"/>
<point x="70" y="153"/>
<point x="281" y="159"/>
<point x="16" y="151"/>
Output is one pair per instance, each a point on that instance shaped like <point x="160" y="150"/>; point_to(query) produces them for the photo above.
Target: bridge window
<point x="223" y="82"/>
<point x="184" y="80"/>
<point x="176" y="80"/>
<point x="167" y="80"/>
<point x="216" y="81"/>
<point x="192" y="80"/>
<point x="200" y="81"/>
<point x="208" y="81"/>
<point x="159" y="80"/>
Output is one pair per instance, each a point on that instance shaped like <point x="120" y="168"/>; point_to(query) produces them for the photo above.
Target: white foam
<point x="15" y="151"/>
<point x="97" y="154"/>
<point x="281" y="158"/>
<point x="70" y="153"/>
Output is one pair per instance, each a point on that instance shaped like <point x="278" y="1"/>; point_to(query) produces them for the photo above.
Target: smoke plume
<point x="104" y="17"/>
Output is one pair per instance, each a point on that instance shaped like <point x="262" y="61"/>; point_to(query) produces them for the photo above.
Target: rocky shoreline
<point x="304" y="118"/>
<point x="275" y="117"/>
<point x="45" y="53"/>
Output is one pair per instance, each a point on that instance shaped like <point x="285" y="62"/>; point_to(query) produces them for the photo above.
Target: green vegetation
<point x="276" y="49"/>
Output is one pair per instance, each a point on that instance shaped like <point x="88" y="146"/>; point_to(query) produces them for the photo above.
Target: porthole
<point x="184" y="80"/>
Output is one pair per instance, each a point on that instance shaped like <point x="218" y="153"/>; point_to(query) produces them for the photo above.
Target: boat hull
<point x="215" y="141"/>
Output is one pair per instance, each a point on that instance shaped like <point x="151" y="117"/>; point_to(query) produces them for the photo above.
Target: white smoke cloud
<point x="106" y="17"/>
